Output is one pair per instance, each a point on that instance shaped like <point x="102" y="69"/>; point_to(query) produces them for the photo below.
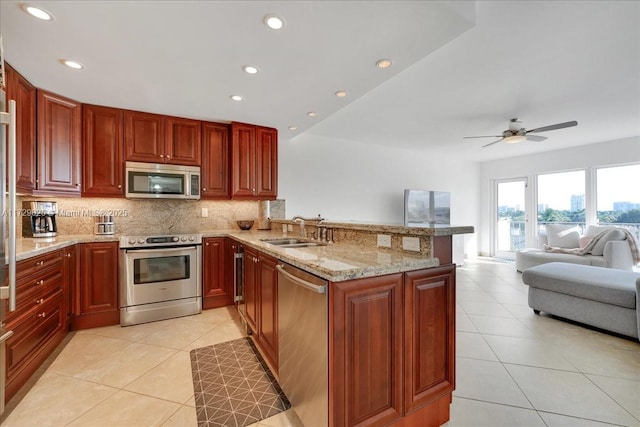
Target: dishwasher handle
<point x="301" y="282"/>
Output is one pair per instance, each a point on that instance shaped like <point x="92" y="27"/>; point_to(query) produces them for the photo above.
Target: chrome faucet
<point x="300" y="220"/>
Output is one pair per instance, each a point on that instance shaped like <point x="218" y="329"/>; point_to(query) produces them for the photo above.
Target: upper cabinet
<point x="254" y="162"/>
<point x="59" y="144"/>
<point x="153" y="138"/>
<point x="24" y="93"/>
<point x="214" y="174"/>
<point x="102" y="164"/>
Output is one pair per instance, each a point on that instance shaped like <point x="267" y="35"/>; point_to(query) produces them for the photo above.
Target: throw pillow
<point x="584" y="241"/>
<point x="594" y="230"/>
<point x="615" y="234"/>
<point x="563" y="236"/>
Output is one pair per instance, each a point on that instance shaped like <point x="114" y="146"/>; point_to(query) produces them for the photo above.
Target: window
<point x="618" y="196"/>
<point x="561" y="198"/>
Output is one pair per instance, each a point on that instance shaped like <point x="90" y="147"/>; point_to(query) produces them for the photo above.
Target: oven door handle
<point x="161" y="251"/>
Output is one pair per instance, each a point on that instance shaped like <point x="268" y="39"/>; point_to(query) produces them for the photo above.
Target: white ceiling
<point x="460" y="68"/>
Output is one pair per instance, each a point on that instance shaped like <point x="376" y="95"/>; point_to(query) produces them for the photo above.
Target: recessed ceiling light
<point x="341" y="93"/>
<point x="312" y="114"/>
<point x="383" y="63"/>
<point x="37" y="12"/>
<point x="72" y="64"/>
<point x="293" y="128"/>
<point x="250" y="69"/>
<point x="236" y="97"/>
<point x="273" y="22"/>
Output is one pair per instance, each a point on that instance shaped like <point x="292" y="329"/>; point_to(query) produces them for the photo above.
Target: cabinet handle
<point x="39" y="263"/>
<point x="77" y="185"/>
<point x="40" y="282"/>
<point x="207" y="244"/>
<point x="204" y="189"/>
<point x="39" y="301"/>
<point x="69" y="255"/>
<point x="162" y="156"/>
<point x="168" y="156"/>
<point x="43" y="314"/>
<point x="119" y="185"/>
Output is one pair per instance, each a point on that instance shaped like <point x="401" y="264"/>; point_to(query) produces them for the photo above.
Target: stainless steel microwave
<point x="162" y="181"/>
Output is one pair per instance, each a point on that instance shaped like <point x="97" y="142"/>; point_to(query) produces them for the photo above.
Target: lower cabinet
<point x="217" y="290"/>
<point x="261" y="302"/>
<point x="392" y="349"/>
<point x="71" y="280"/>
<point x="96" y="296"/>
<point x="39" y="321"/>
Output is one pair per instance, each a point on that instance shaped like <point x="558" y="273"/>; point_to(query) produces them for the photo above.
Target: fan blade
<point x="491" y="143"/>
<point x="536" y="138"/>
<point x="554" y="127"/>
<point x="486" y="136"/>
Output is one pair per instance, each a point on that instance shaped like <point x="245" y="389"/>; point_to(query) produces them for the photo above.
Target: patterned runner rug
<point x="233" y="386"/>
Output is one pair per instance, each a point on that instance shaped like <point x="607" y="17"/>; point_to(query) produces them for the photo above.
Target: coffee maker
<point x="39" y="219"/>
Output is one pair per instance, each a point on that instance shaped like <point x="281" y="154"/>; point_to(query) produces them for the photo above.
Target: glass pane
<point x="160" y="269"/>
<point x="618" y="196"/>
<point x="158" y="183"/>
<point x="511" y="217"/>
<point x="561" y="198"/>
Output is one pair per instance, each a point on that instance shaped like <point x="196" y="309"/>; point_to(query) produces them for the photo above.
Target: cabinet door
<point x="243" y="160"/>
<point x="144" y="137"/>
<point x="266" y="163"/>
<point x="430" y="311"/>
<point x="103" y="168"/>
<point x="268" y="324"/>
<point x="59" y="139"/>
<point x="366" y="351"/>
<point x="97" y="296"/>
<point x="251" y="294"/>
<point x="182" y="141"/>
<point x="70" y="280"/>
<point x="24" y="93"/>
<point x="215" y="161"/>
<point x="215" y="289"/>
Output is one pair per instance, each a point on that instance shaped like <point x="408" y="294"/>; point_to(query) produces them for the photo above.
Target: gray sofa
<point x="601" y="297"/>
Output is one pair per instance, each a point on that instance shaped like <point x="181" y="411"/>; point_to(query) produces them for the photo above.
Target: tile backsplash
<point x="133" y="217"/>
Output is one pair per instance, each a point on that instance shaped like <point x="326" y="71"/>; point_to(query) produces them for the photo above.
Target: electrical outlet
<point x="411" y="244"/>
<point x="205" y="212"/>
<point x="384" y="241"/>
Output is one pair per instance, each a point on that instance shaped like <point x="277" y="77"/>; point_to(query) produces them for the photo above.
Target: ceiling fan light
<point x="514" y="139"/>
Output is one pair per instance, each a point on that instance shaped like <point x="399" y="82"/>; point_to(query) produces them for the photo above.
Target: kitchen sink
<point x="290" y="243"/>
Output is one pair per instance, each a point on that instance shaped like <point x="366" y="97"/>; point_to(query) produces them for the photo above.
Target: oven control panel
<point x="152" y="241"/>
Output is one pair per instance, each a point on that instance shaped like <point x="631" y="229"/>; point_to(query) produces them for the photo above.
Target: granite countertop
<point x="334" y="262"/>
<point x="414" y="230"/>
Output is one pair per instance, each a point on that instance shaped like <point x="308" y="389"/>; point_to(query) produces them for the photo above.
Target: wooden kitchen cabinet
<point x="102" y="166"/>
<point x="392" y="357"/>
<point x="39" y="322"/>
<point x="24" y="93"/>
<point x="214" y="174"/>
<point x="251" y="292"/>
<point x="59" y="144"/>
<point x="254" y="162"/>
<point x="217" y="291"/>
<point x="144" y="137"/>
<point x="96" y="298"/>
<point x="71" y="279"/>
<point x="182" y="141"/>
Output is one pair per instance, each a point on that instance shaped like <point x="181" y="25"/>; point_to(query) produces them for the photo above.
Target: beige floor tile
<point x="568" y="393"/>
<point x="473" y="346"/>
<point x="487" y="381"/>
<point x="474" y="296"/>
<point x="56" y="400"/>
<point x="473" y="413"/>
<point x="555" y="420"/>
<point x="84" y="350"/>
<point x="227" y="331"/>
<point x="519" y="310"/>
<point x="485" y="309"/>
<point x="625" y="392"/>
<point x="283" y="419"/>
<point x="523" y="351"/>
<point x="126" y="365"/>
<point x="595" y="358"/>
<point x="191" y="401"/>
<point x="509" y="297"/>
<point x="178" y="333"/>
<point x="130" y="333"/>
<point x="184" y="417"/>
<point x="170" y="380"/>
<point x="505" y="326"/>
<point x="128" y="409"/>
<point x="464" y="324"/>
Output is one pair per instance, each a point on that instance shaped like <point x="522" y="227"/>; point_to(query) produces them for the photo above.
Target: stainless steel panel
<point x="303" y="345"/>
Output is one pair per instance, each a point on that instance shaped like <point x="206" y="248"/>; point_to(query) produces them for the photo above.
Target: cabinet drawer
<point x="32" y="290"/>
<point x="32" y="332"/>
<point x="37" y="264"/>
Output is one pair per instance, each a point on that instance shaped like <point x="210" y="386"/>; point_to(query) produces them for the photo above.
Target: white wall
<point x="346" y="180"/>
<point x="594" y="155"/>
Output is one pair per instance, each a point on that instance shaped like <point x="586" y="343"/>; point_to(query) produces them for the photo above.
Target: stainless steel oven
<point x="160" y="277"/>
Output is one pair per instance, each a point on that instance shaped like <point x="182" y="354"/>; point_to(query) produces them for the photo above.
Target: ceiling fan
<point x="517" y="133"/>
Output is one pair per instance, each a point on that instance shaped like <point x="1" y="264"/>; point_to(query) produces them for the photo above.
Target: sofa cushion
<point x="594" y="230"/>
<point x="605" y="285"/>
<point x="613" y="234"/>
<point x="563" y="236"/>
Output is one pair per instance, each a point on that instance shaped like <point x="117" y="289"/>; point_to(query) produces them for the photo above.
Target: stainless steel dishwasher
<point x="302" y="346"/>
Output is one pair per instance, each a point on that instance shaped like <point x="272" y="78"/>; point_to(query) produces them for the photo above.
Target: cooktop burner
<point x="166" y="240"/>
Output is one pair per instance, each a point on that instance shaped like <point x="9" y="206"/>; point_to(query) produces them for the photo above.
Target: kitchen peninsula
<point x="391" y="312"/>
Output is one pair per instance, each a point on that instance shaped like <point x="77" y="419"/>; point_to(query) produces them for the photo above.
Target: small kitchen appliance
<point x="39" y="219"/>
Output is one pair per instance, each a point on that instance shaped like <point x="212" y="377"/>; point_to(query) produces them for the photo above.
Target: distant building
<point x="577" y="202"/>
<point x="625" y="206"/>
<point x="542" y="207"/>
